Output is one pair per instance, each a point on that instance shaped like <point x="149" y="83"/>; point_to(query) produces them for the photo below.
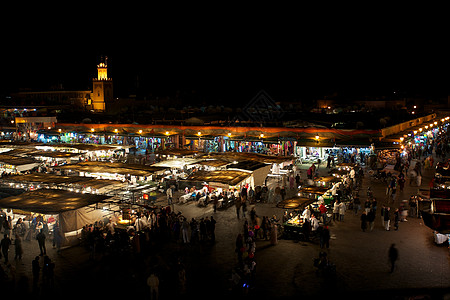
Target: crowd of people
<point x="150" y="227"/>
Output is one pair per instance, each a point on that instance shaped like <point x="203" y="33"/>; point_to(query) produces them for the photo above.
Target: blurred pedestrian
<point x="36" y="268"/>
<point x="238" y="205"/>
<point x="40" y="237"/>
<point x="153" y="284"/>
<point x="274" y="234"/>
<point x="383" y="210"/>
<point x="48" y="272"/>
<point x="342" y="209"/>
<point x="18" y="247"/>
<point x="387" y="218"/>
<point x="364" y="221"/>
<point x="371" y="219"/>
<point x="336" y="210"/>
<point x="5" y="243"/>
<point x="393" y="256"/>
<point x="324" y="236"/>
<point x="396" y="219"/>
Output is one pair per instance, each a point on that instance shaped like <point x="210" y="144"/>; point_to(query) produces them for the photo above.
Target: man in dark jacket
<point x="5" y="243"/>
<point x="40" y="237"/>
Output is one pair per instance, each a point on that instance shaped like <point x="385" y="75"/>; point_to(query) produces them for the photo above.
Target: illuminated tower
<point x="102" y="87"/>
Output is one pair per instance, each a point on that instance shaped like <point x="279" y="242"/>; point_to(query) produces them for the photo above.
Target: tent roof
<point x="295" y="203"/>
<point x="242" y="156"/>
<point x="214" y="162"/>
<point x="52" y="154"/>
<point x="178" y="152"/>
<point x="113" y="168"/>
<point x="250" y="165"/>
<point x="139" y="167"/>
<point x="177" y="162"/>
<point x="230" y="177"/>
<point x="87" y="147"/>
<point x="65" y="180"/>
<point x="16" y="161"/>
<point x="50" y="201"/>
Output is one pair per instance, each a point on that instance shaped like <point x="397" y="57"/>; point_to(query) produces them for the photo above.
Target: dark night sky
<point x="223" y="63"/>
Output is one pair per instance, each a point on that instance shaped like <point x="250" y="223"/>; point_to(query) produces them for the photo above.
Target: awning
<point x="230" y="177"/>
<point x="50" y="201"/>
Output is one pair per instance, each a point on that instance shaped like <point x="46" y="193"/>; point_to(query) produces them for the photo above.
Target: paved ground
<point x="283" y="271"/>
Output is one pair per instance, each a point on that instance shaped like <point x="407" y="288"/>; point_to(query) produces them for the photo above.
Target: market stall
<point x="113" y="171"/>
<point x="437" y="217"/>
<point x="314" y="192"/>
<point x="326" y="181"/>
<point x="14" y="164"/>
<point x="259" y="170"/>
<point x="293" y="226"/>
<point x="295" y="203"/>
<point x="72" y="210"/>
<point x="219" y="181"/>
<point x="71" y="183"/>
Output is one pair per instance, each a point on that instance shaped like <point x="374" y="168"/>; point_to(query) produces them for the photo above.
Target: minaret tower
<point x="102" y="87"/>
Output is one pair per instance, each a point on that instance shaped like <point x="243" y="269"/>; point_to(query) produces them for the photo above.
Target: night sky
<point x="225" y="63"/>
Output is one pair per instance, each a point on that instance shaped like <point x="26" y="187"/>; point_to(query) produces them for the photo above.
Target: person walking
<point x="212" y="227"/>
<point x="393" y="256"/>
<point x="274" y="234"/>
<point x="185" y="230"/>
<point x="36" y="268"/>
<point x="393" y="188"/>
<point x="169" y="194"/>
<point x="364" y="221"/>
<point x="153" y="284"/>
<point x="396" y="219"/>
<point x="323" y="213"/>
<point x="342" y="209"/>
<point x="371" y="219"/>
<point x="356" y="204"/>
<point x="238" y="205"/>
<point x="324" y="237"/>
<point x="5" y="243"/>
<point x="387" y="218"/>
<point x="40" y="237"/>
<point x="239" y="248"/>
<point x="18" y="247"/>
<point x="383" y="210"/>
<point x="336" y="210"/>
<point x="367" y="205"/>
<point x="48" y="272"/>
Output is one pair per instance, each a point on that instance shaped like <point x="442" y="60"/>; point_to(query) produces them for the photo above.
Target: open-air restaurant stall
<point x="13" y="164"/>
<point x="81" y="184"/>
<point x="112" y="171"/>
<point x="216" y="182"/>
<point x="294" y="219"/>
<point x="314" y="192"/>
<point x="326" y="181"/>
<point x="72" y="210"/>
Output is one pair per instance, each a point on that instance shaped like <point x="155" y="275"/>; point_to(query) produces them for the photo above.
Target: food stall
<point x="72" y="210"/>
<point x="81" y="184"/>
<point x="13" y="164"/>
<point x="314" y="192"/>
<point x="292" y="227"/>
<point x="217" y="181"/>
<point x="326" y="181"/>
